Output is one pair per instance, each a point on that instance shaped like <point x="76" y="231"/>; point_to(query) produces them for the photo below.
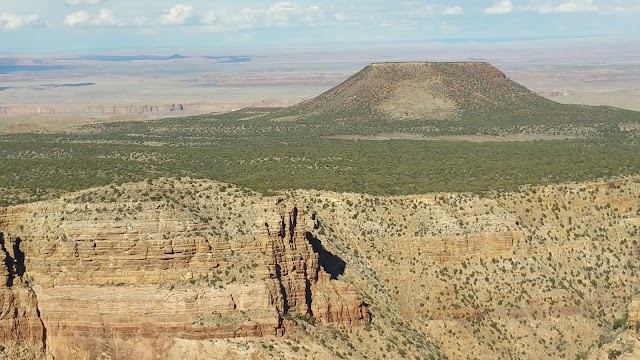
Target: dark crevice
<point x="14" y="264"/>
<point x="19" y="258"/>
<point x="295" y="217"/>
<point x="9" y="262"/>
<point x="44" y="328"/>
<point x="331" y="263"/>
<point x="308" y="297"/>
<point x="283" y="229"/>
<point x="292" y="229"/>
<point x="285" y="308"/>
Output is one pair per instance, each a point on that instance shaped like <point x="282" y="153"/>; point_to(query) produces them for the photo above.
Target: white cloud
<point x="499" y="8"/>
<point x="10" y="21"/>
<point x="411" y="8"/>
<point x="569" y="6"/>
<point x="104" y="18"/>
<point x="84" y="2"/>
<point x="210" y="18"/>
<point x="286" y="12"/>
<point x="453" y="10"/>
<point x="77" y="18"/>
<point x="217" y="21"/>
<point x="281" y="11"/>
<point x="177" y="15"/>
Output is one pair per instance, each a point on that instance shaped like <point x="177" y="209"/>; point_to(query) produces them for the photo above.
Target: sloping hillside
<point x="188" y="269"/>
<point x="476" y="94"/>
<point x="419" y="91"/>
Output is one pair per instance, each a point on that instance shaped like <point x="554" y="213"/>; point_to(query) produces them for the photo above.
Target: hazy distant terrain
<point x="75" y="90"/>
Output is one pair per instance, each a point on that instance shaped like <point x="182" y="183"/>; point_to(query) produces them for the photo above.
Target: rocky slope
<point x="196" y="269"/>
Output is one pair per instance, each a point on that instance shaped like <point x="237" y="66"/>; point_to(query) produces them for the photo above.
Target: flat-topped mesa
<point x="420" y="91"/>
<point x="297" y="281"/>
<point x="481" y="68"/>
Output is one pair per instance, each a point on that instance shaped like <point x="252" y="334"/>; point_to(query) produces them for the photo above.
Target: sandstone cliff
<point x="21" y="328"/>
<point x="193" y="269"/>
<point x="134" y="285"/>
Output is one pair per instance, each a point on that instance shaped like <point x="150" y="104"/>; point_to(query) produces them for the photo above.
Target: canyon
<point x="194" y="269"/>
<point x="151" y="290"/>
<point x="115" y="243"/>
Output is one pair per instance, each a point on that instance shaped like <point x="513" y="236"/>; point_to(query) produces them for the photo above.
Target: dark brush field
<point x="294" y="148"/>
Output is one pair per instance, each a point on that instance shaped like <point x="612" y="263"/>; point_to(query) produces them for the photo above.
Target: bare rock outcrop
<point x="134" y="287"/>
<point x="336" y="302"/>
<point x="21" y="329"/>
<point x="301" y="286"/>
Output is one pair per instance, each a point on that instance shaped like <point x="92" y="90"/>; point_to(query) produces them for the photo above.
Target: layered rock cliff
<point x="300" y="285"/>
<point x="194" y="269"/>
<point x="132" y="279"/>
<point x="21" y="328"/>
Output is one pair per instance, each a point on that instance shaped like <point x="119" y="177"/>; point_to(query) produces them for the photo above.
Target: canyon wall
<point x="89" y="286"/>
<point x="174" y="269"/>
<point x="21" y="328"/>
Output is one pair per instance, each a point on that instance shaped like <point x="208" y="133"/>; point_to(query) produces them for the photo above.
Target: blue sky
<point x="145" y="26"/>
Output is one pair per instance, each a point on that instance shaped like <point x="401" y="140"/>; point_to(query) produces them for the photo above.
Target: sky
<point x="154" y="26"/>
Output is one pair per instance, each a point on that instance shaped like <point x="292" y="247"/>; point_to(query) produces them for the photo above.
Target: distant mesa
<point x="11" y="69"/>
<point x="49" y="86"/>
<point x="237" y="59"/>
<point x="177" y="56"/>
<point x="421" y="91"/>
<point x="230" y="59"/>
<point x="8" y="62"/>
<point x="121" y="58"/>
<point x="10" y="65"/>
<point x="126" y="58"/>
